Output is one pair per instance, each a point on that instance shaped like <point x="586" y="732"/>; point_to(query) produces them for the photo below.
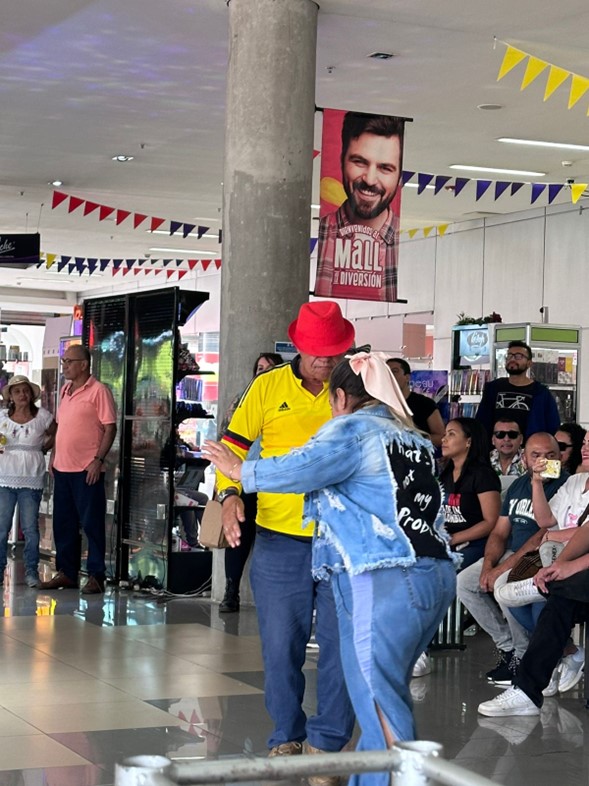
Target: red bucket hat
<point x="321" y="330"/>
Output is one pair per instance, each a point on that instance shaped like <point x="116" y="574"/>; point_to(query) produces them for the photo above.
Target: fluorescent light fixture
<point x="416" y="185"/>
<point x="538" y="143"/>
<point x="183" y="251"/>
<point x="522" y="172"/>
<point x="122" y="159"/>
<point x="56" y="183"/>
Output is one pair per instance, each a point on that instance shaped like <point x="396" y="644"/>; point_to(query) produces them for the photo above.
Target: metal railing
<point x="410" y="763"/>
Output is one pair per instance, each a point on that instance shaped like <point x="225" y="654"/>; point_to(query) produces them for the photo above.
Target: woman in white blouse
<point x="26" y="432"/>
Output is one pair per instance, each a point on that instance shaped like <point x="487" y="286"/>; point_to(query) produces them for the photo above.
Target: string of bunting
<point x="556" y="76"/>
<point x="70" y="265"/>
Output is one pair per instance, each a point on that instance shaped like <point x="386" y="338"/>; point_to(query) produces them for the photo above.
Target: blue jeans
<point x="528" y="615"/>
<point x="387" y="618"/>
<point x="28" y="512"/>
<point x="285" y="595"/>
<point x="76" y="503"/>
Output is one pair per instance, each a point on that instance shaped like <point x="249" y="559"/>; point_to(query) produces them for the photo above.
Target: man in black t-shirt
<point x="517" y="397"/>
<point x="426" y="414"/>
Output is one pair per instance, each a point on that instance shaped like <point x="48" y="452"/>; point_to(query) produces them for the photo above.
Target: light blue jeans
<point x="386" y="619"/>
<point x="28" y="511"/>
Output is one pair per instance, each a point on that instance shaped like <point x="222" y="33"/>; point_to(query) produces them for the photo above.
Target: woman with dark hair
<point x="570" y="438"/>
<point x="368" y="476"/>
<point x="472" y="490"/>
<point x="26" y="431"/>
<point x="266" y="361"/>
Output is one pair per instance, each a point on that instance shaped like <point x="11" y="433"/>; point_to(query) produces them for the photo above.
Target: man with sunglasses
<point x="517" y="397"/>
<point x="506" y="456"/>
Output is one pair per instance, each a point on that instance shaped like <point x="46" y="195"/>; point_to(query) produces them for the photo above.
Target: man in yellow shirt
<point x="285" y="407"/>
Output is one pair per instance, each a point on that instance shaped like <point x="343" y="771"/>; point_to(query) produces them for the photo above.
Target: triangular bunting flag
<point x="157" y="270"/>
<point x="138" y="219"/>
<point x="412" y="232"/>
<point x="577" y="190"/>
<point x="533" y="69"/>
<point x="166" y="262"/>
<point x="104" y="264"/>
<point x="187" y="229"/>
<point x="537" y="189"/>
<point x="130" y="263"/>
<point x="511" y="58"/>
<point x="155" y="223"/>
<point x="423" y="181"/>
<point x="459" y="184"/>
<point x="181" y="274"/>
<point x="174" y="227"/>
<point x="406" y="177"/>
<point x="63" y="263"/>
<point x="136" y="271"/>
<point x="116" y="263"/>
<point x="442" y="229"/>
<point x="427" y="231"/>
<point x="316" y="153"/>
<point x="202" y="231"/>
<point x="75" y="203"/>
<point x="169" y="274"/>
<point x="126" y="270"/>
<point x="105" y="212"/>
<point x="482" y="186"/>
<point x="220" y="236"/>
<point x="515" y="187"/>
<point x="71" y="268"/>
<point x="121" y="216"/>
<point x="205" y="263"/>
<point x="90" y="207"/>
<point x="554" y="190"/>
<point x="440" y="182"/>
<point x="500" y="187"/>
<point x="50" y="258"/>
<point x="556" y="77"/>
<point x="192" y="263"/>
<point x="92" y="265"/>
<point x="579" y="86"/>
<point x="179" y="262"/>
<point x="147" y="270"/>
<point x="218" y="264"/>
<point x="312" y="244"/>
<point x="79" y="262"/>
<point x="58" y="198"/>
<point x="115" y="270"/>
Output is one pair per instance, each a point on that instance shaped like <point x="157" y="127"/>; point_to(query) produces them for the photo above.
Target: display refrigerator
<point x="556" y="351"/>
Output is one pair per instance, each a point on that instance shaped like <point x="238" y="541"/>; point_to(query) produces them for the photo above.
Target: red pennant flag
<point x="136" y="270"/>
<point x="316" y="153"/>
<point x="217" y="263"/>
<point x="146" y="270"/>
<point x="138" y="218"/>
<point x="105" y="212"/>
<point x="126" y="270"/>
<point x="192" y="263"/>
<point x="75" y="203"/>
<point x="121" y="216"/>
<point x="58" y="198"/>
<point x="181" y="274"/>
<point x="156" y="223"/>
<point x="90" y="207"/>
<point x="157" y="270"/>
<point x="115" y="270"/>
<point x="170" y="273"/>
<point x="205" y="263"/>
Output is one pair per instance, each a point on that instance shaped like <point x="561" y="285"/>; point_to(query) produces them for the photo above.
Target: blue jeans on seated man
<point x="286" y="594"/>
<point x="75" y="504"/>
<point x="28" y="511"/>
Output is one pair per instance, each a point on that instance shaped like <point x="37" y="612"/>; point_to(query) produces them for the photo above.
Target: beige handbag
<point x="211" y="533"/>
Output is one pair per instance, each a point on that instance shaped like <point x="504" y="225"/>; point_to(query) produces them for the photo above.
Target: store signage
<point x="20" y="250"/>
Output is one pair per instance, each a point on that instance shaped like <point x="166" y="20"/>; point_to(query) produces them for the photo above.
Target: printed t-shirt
<point x="517" y="506"/>
<point x="462" y="507"/>
<point x="569" y="504"/>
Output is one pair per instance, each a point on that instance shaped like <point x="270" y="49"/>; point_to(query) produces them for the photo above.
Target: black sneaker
<point x="502" y="673"/>
<point x="230" y="602"/>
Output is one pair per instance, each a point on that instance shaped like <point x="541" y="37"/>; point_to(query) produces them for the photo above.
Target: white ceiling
<point x="83" y="80"/>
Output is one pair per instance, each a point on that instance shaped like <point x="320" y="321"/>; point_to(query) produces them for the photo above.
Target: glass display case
<point x="556" y="353"/>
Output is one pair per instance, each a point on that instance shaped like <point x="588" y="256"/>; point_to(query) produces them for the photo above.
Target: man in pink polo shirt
<point x="86" y="421"/>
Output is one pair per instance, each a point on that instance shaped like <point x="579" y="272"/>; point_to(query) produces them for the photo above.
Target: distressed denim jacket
<point x="351" y="491"/>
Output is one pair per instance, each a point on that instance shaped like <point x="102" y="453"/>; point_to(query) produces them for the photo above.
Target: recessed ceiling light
<point x="490" y="107"/>
<point x="121" y="159"/>
<point x="381" y="55"/>
<point x="182" y="252"/>
<point x="522" y="172"/>
<point x="56" y="183"/>
<point x="538" y="143"/>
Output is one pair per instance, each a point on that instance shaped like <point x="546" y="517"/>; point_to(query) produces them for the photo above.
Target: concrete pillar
<point x="267" y="183"/>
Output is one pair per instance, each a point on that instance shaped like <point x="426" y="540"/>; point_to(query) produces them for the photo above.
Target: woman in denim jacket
<point x="368" y="476"/>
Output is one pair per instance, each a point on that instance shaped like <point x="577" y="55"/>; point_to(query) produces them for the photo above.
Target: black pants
<point x="236" y="558"/>
<point x="567" y="604"/>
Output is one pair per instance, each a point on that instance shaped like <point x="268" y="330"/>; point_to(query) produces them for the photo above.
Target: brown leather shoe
<point x="59" y="581"/>
<point x="286" y="749"/>
<point x="320" y="780"/>
<point x="93" y="586"/>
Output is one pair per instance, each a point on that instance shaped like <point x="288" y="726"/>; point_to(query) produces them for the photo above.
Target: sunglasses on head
<point x="502" y="434"/>
<point x="564" y="445"/>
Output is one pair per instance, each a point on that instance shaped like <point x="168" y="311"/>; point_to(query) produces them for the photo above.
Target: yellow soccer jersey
<point x="277" y="408"/>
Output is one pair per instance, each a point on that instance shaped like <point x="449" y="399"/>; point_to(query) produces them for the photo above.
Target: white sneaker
<point x="423" y="665"/>
<point x="552" y="688"/>
<point x="518" y="593"/>
<point x="511" y="702"/>
<point x="571" y="670"/>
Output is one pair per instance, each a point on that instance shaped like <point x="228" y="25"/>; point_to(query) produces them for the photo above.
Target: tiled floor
<point x="88" y="681"/>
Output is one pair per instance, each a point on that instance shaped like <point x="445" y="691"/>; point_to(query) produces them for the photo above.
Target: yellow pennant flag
<point x="427" y="231"/>
<point x="556" y="76"/>
<point x="579" y="87"/>
<point x="512" y="57"/>
<point x="412" y="232"/>
<point x="50" y="260"/>
<point x="442" y="229"/>
<point x="577" y="190"/>
<point x="533" y="70"/>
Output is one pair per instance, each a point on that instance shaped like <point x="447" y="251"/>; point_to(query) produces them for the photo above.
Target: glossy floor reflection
<point x="86" y="682"/>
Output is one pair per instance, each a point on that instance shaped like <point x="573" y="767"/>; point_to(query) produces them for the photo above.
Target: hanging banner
<point x="361" y="164"/>
<point x="20" y="250"/>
